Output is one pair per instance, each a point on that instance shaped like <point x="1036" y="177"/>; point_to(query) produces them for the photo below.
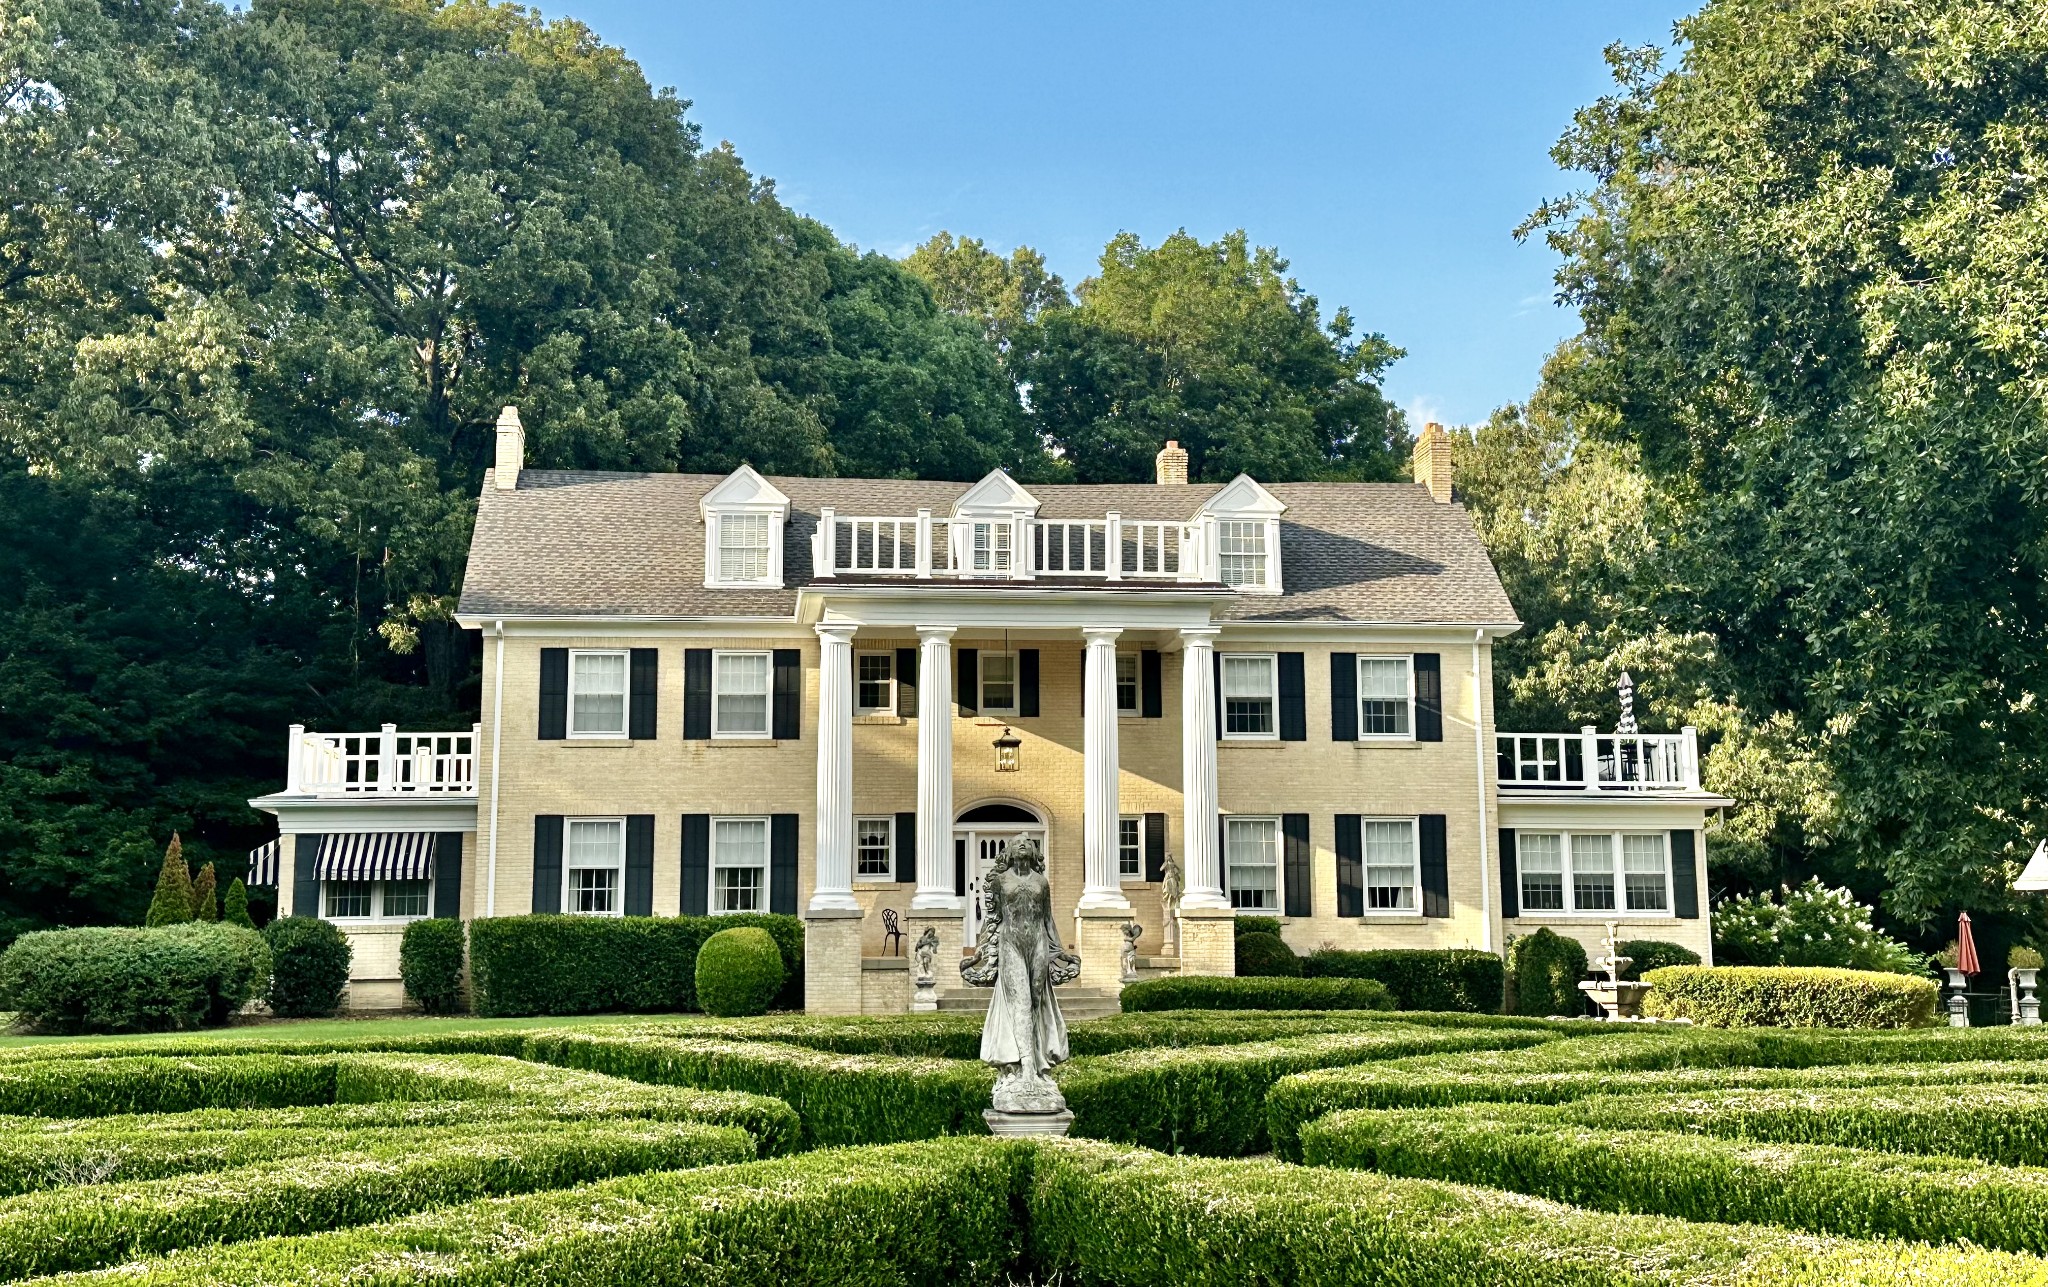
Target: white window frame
<point x="767" y="864"/>
<point x="377" y="913"/>
<point x="568" y="866"/>
<point x="888" y="705"/>
<point x="1137" y="668"/>
<point x="625" y="657"/>
<point x="1137" y="847"/>
<point x="1365" y="865"/>
<point x="718" y="530"/>
<point x="768" y="696"/>
<point x="1618" y="847"/>
<point x="984" y="706"/>
<point x="743" y="494"/>
<point x="1272" y="734"/>
<point x="888" y="824"/>
<point x="1408" y="661"/>
<point x="1000" y="551"/>
<point x="1258" y="527"/>
<point x="1272" y="822"/>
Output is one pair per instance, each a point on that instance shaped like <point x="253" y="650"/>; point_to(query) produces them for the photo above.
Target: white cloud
<point x="1421" y="409"/>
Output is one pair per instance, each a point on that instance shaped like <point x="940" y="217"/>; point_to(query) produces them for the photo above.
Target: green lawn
<point x="328" y="1028"/>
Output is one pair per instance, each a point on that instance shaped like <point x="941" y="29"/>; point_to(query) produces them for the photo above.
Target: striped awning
<point x="377" y="855"/>
<point x="264" y="862"/>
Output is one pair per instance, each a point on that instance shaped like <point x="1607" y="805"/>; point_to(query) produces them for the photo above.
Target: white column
<point x="935" y="772"/>
<point x="1099" y="769"/>
<point x="1203" y="860"/>
<point x="833" y="890"/>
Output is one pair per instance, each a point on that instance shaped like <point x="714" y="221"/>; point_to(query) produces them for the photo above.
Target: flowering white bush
<point x="1809" y="924"/>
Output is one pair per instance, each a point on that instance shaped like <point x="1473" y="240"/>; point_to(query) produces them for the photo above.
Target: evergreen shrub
<point x="309" y="961"/>
<point x="1266" y="956"/>
<point x="235" y="905"/>
<point x="205" y="897"/>
<point x="521" y="965"/>
<point x="1459" y="979"/>
<point x="1786" y="996"/>
<point x="1544" y="970"/>
<point x="1646" y="954"/>
<point x="172" y="902"/>
<point x="430" y="963"/>
<point x="739" y="972"/>
<point x="1242" y="925"/>
<point x="133" y="980"/>
<point x="1205" y="992"/>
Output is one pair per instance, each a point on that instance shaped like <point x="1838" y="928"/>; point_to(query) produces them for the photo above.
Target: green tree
<point x="1808" y="269"/>
<point x="235" y="905"/>
<point x="205" y="903"/>
<point x="969" y="280"/>
<point x="172" y="904"/>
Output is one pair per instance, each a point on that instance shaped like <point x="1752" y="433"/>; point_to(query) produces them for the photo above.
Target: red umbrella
<point x="1966" y="947"/>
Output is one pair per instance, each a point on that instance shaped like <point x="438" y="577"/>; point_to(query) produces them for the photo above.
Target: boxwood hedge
<point x="1786" y="996"/>
<point x="1199" y="992"/>
<point x="1460" y="979"/>
<point x="522" y="965"/>
<point x="133" y="980"/>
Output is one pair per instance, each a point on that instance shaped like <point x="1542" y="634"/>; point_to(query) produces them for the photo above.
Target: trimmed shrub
<point x="430" y="963"/>
<point x="1206" y="992"/>
<point x="521" y="965"/>
<point x="98" y="1087"/>
<point x="1786" y="996"/>
<point x="309" y="961"/>
<point x="739" y="972"/>
<point x="235" y="905"/>
<point x="1266" y="956"/>
<point x="1459" y="979"/>
<point x="172" y="902"/>
<point x="205" y="899"/>
<point x="1243" y="925"/>
<point x="1646" y="954"/>
<point x="1544" y="970"/>
<point x="132" y="980"/>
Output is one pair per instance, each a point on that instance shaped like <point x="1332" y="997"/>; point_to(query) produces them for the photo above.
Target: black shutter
<point x="1293" y="698"/>
<point x="1217" y="660"/>
<point x="554" y="694"/>
<point x="1685" y="877"/>
<point x="967" y="692"/>
<point x="906" y="682"/>
<point x="1155" y="847"/>
<point x="1350" y="865"/>
<point x="640" y="864"/>
<point x="1151" y="698"/>
<point x="305" y="875"/>
<point x="547" y="862"/>
<point x="1344" y="697"/>
<point x="1429" y="697"/>
<point x="1223" y="855"/>
<point x="1027" y="682"/>
<point x="782" y="864"/>
<point x="696" y="864"/>
<point x="645" y="688"/>
<point x="959" y="866"/>
<point x="448" y="875"/>
<point x="1510" y="877"/>
<point x="696" y="694"/>
<point x="906" y="848"/>
<point x="1295" y="860"/>
<point x="788" y="719"/>
<point x="1436" y="866"/>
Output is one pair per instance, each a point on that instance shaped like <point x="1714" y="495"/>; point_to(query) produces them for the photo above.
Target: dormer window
<point x="743" y="547"/>
<point x="1240" y="528"/>
<point x="991" y="551"/>
<point x="1241" y="554"/>
<point x="743" y="520"/>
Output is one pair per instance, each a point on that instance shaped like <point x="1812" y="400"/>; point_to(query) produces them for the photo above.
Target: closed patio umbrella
<point x="1966" y="946"/>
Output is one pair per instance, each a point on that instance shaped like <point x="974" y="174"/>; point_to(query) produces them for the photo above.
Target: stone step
<point x="1075" y="1003"/>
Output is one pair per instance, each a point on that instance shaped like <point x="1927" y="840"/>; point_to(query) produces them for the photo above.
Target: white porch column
<point x="1099" y="769"/>
<point x="1203" y="862"/>
<point x="935" y="772"/>
<point x="833" y="890"/>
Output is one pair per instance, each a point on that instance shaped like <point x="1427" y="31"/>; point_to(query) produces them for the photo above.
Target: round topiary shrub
<point x="739" y="971"/>
<point x="430" y="963"/>
<point x="309" y="961"/>
<point x="1265" y="956"/>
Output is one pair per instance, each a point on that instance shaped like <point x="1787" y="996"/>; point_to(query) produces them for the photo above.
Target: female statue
<point x="1018" y="953"/>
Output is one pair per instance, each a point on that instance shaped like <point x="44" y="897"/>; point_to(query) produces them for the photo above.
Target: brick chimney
<point x="1432" y="461"/>
<point x="1171" y="465"/>
<point x="511" y="448"/>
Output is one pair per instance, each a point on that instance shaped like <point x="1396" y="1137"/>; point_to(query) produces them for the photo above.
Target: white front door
<point x="979" y="847"/>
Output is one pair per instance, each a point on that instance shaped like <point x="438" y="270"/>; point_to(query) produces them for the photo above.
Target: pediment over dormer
<point x="1243" y="497"/>
<point x="996" y="494"/>
<point x="744" y="489"/>
<point x="744" y="517"/>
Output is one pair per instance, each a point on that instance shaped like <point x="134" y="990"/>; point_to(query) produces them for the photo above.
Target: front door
<point x="975" y="850"/>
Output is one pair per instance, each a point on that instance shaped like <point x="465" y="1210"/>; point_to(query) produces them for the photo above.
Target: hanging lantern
<point x="1006" y="745"/>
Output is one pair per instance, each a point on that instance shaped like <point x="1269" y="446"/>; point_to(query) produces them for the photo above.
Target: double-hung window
<point x="998" y="682"/>
<point x="386" y="900"/>
<point x="1593" y="872"/>
<point x="1250" y="695"/>
<point x="989" y="548"/>
<point x="1241" y="553"/>
<point x="594" y="867"/>
<point x="1251" y="851"/>
<point x="1576" y="872"/>
<point x="597" y="694"/>
<point x="1643" y="871"/>
<point x="739" y="694"/>
<point x="874" y="677"/>
<point x="1391" y="864"/>
<point x="873" y="848"/>
<point x="1127" y="683"/>
<point x="739" y="865"/>
<point x="1541" y="859"/>
<point x="1130" y="854"/>
<point x="1386" y="697"/>
<point x="743" y="547"/>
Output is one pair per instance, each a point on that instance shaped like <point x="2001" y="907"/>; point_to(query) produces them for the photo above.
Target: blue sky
<point x="1387" y="149"/>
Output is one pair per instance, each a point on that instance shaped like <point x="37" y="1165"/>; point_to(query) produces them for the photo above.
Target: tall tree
<point x="969" y="280"/>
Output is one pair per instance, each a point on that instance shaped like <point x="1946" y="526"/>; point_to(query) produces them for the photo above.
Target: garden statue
<point x="925" y="953"/>
<point x="1169" y="906"/>
<point x="1018" y="954"/>
<point x="1128" y="954"/>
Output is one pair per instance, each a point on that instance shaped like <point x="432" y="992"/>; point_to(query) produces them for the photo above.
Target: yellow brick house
<point x="840" y="698"/>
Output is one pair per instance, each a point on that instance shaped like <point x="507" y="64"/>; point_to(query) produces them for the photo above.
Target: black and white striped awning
<point x="377" y="855"/>
<point x="264" y="861"/>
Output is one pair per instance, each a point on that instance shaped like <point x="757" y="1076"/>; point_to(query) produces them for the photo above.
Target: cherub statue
<point x="1129" y="952"/>
<point x="1018" y="953"/>
<point x="926" y="953"/>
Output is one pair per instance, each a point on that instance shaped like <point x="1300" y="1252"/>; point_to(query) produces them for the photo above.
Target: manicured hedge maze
<point x="1406" y="1148"/>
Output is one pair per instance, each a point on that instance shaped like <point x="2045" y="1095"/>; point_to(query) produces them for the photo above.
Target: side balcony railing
<point x="386" y="762"/>
<point x="1590" y="760"/>
<point x="920" y="546"/>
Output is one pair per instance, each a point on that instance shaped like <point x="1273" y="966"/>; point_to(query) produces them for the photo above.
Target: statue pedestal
<point x="1002" y="1124"/>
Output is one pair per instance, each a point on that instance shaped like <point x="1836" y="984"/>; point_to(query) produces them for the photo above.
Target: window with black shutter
<point x="554" y="694"/>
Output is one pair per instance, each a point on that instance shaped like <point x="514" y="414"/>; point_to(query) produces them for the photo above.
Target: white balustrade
<point x="1592" y="761"/>
<point x="1071" y="546"/>
<point x="386" y="762"/>
<point x="1111" y="548"/>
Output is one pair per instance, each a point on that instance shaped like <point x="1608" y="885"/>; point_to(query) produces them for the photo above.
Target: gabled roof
<point x="584" y="543"/>
<point x="996" y="491"/>
<point x="744" y="486"/>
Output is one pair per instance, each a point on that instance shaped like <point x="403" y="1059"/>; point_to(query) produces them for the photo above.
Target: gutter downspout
<point x="497" y="742"/>
<point x="1479" y="745"/>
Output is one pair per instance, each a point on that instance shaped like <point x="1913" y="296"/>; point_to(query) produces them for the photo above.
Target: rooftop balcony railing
<point x="921" y="547"/>
<point x="384" y="763"/>
<point x="1592" y="761"/>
